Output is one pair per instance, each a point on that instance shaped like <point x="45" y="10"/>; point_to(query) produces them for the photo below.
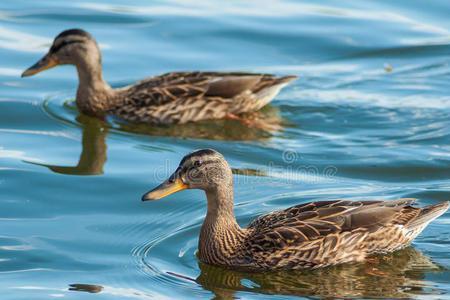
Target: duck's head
<point x="204" y="169"/>
<point x="70" y="47"/>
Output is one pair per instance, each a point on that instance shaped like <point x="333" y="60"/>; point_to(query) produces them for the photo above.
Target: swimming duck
<point x="309" y="235"/>
<point x="172" y="98"/>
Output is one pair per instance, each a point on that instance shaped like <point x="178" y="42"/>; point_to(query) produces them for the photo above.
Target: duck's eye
<point x="197" y="163"/>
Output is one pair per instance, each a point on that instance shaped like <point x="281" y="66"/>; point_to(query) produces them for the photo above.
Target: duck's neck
<point x="220" y="234"/>
<point x="94" y="95"/>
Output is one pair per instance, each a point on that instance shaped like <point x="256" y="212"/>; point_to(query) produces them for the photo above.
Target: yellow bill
<point x="165" y="189"/>
<point x="45" y="63"/>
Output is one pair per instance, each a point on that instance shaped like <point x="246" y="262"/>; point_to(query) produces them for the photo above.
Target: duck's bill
<point x="165" y="189"/>
<point x="45" y="63"/>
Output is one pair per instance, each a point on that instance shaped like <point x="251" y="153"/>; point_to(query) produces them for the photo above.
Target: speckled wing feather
<point x="166" y="88"/>
<point x="323" y="233"/>
<point x="321" y="210"/>
<point x="192" y="96"/>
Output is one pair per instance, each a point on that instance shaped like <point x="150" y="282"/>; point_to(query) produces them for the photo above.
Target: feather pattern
<point x="319" y="234"/>
<point x="194" y="96"/>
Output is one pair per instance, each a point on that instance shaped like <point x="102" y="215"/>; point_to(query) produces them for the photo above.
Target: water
<point x="368" y="119"/>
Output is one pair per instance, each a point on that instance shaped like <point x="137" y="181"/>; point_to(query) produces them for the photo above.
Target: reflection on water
<point x="120" y="292"/>
<point x="93" y="153"/>
<point x="397" y="275"/>
<point x="90" y="288"/>
<point x="255" y="126"/>
<point x="249" y="172"/>
<point x="252" y="126"/>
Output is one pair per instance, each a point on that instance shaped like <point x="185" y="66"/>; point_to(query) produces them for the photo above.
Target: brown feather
<point x="318" y="234"/>
<point x="194" y="96"/>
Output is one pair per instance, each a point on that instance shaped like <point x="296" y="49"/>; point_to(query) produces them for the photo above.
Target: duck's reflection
<point x="93" y="153"/>
<point x="89" y="288"/>
<point x="255" y="126"/>
<point x="397" y="275"/>
<point x="251" y="126"/>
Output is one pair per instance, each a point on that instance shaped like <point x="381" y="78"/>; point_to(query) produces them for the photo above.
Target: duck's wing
<point x="336" y="213"/>
<point x="326" y="233"/>
<point x="164" y="89"/>
<point x="187" y="90"/>
<point x="343" y="223"/>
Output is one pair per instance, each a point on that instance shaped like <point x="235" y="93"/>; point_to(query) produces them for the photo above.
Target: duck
<point x="171" y="98"/>
<point x="306" y="236"/>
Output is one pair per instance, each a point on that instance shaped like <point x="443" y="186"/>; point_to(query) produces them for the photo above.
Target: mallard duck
<point x="310" y="235"/>
<point x="172" y="98"/>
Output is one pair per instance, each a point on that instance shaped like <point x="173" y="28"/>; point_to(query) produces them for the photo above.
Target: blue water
<point x="367" y="119"/>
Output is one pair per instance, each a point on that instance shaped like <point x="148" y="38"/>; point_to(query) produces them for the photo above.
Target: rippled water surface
<point x="368" y="118"/>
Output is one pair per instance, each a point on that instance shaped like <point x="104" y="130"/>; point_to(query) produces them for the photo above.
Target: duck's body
<point x="316" y="234"/>
<point x="173" y="98"/>
<point x="177" y="98"/>
<point x="310" y="235"/>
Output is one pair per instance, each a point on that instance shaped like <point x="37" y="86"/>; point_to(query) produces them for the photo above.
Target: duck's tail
<point x="269" y="87"/>
<point x="428" y="214"/>
<point x="285" y="79"/>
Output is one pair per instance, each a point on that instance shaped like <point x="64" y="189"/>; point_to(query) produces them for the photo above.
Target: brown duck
<point x="172" y="98"/>
<point x="310" y="235"/>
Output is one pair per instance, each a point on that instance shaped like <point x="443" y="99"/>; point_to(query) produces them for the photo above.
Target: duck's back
<point x="319" y="234"/>
<point x="177" y="98"/>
